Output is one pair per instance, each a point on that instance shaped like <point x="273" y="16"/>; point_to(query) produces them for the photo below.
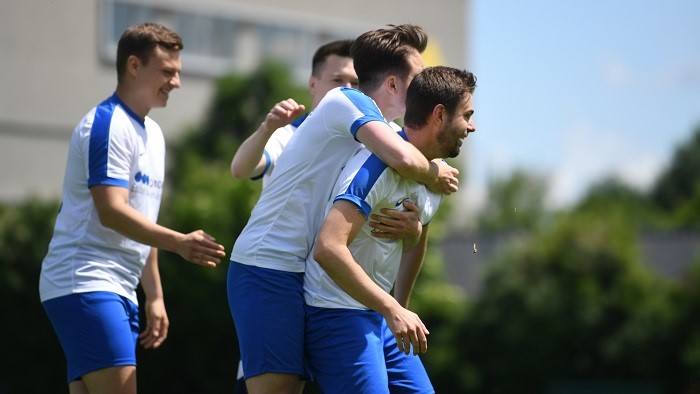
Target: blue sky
<point x="579" y="90"/>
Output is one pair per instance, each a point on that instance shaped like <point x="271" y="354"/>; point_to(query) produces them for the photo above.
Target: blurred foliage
<point x="514" y="203"/>
<point x="677" y="190"/>
<point x="570" y="301"/>
<point x="30" y="345"/>
<point x="574" y="303"/>
<point x="611" y="197"/>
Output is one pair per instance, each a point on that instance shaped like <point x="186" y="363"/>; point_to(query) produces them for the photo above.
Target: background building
<point x="57" y="61"/>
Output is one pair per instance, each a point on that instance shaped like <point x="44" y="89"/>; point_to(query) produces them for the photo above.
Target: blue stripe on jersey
<point x="364" y="180"/>
<point x="298" y="121"/>
<point x="362" y="183"/>
<point x="98" y="151"/>
<point x="268" y="161"/>
<point x="365" y="105"/>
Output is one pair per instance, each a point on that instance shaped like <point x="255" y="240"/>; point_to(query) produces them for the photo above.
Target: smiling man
<point x="358" y="337"/>
<point x="106" y="237"/>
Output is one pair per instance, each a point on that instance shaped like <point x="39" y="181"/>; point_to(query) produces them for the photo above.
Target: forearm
<point x="133" y="225"/>
<point x="150" y="277"/>
<point x="248" y="159"/>
<point x="397" y="153"/>
<point x="112" y="205"/>
<point x="350" y="277"/>
<point x="411" y="263"/>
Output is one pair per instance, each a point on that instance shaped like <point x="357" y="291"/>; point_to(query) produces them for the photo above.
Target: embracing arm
<point x="406" y="159"/>
<point x="112" y="204"/>
<point x="411" y="263"/>
<point x="248" y="160"/>
<point x="331" y="252"/>
<point x="157" y="322"/>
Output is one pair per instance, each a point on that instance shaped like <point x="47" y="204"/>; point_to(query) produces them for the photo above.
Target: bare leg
<point x="112" y="380"/>
<point x="77" y="387"/>
<point x="279" y="383"/>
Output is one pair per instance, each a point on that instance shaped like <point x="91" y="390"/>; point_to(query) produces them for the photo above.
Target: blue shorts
<point x="267" y="307"/>
<point x="354" y="351"/>
<point x="96" y="330"/>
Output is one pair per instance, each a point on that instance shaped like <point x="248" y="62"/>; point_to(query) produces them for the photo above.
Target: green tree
<point x="31" y="347"/>
<point x="572" y="304"/>
<point x="611" y="197"/>
<point x="514" y="203"/>
<point x="678" y="187"/>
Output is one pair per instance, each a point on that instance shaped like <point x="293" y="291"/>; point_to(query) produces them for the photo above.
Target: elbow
<point x="322" y="254"/>
<point x="236" y="171"/>
<point x="108" y="218"/>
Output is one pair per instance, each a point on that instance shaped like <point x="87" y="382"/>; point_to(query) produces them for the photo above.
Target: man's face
<point x="158" y="77"/>
<point x="457" y="128"/>
<point x="336" y="71"/>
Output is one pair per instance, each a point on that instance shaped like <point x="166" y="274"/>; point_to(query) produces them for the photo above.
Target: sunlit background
<point x="581" y="90"/>
<point x="568" y="262"/>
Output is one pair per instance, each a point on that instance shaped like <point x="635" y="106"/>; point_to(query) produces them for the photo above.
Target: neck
<point x="131" y="100"/>
<point x="418" y="138"/>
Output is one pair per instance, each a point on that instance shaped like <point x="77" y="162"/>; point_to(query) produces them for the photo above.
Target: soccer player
<point x="106" y="237"/>
<point x="265" y="278"/>
<point x="331" y="67"/>
<point x="358" y="337"/>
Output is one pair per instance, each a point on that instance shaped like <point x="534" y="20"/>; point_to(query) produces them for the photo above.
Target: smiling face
<point x="156" y="78"/>
<point x="457" y="128"/>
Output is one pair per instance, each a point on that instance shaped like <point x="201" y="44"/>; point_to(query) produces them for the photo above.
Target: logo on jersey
<point x="144" y="184"/>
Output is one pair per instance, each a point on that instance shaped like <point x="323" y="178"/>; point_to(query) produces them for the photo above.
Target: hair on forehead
<point x="141" y="40"/>
<point x="436" y="85"/>
<point x="339" y="48"/>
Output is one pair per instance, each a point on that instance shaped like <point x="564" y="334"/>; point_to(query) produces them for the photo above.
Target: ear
<point x="391" y="84"/>
<point x="133" y="64"/>
<point x="312" y="85"/>
<point x="439" y="114"/>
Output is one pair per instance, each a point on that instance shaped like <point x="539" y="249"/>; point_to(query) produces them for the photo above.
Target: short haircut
<point x="381" y="52"/>
<point x="339" y="48"/>
<point x="433" y="86"/>
<point x="141" y="40"/>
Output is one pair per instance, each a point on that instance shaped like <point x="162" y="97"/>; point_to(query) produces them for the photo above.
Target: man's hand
<point x="446" y="181"/>
<point x="408" y="330"/>
<point x="282" y="114"/>
<point x="157" y="324"/>
<point x="393" y="223"/>
<point x="199" y="247"/>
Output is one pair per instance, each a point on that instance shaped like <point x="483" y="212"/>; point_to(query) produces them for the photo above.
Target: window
<point x="219" y="42"/>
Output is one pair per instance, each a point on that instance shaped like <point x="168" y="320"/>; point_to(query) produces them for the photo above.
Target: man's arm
<point x="112" y="204"/>
<point x="248" y="161"/>
<point x="406" y="159"/>
<point x="157" y="322"/>
<point x="411" y="263"/>
<point x="331" y="252"/>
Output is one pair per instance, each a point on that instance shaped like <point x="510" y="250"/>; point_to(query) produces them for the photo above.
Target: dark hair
<point x="140" y="40"/>
<point x="380" y="52"/>
<point x="339" y="48"/>
<point x="433" y="86"/>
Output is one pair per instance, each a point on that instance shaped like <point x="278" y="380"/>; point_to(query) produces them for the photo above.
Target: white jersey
<point x="368" y="183"/>
<point x="110" y="146"/>
<point x="284" y="222"/>
<point x="274" y="147"/>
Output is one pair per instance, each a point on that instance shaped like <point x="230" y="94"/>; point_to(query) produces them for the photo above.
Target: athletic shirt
<point x="110" y="146"/>
<point x="283" y="225"/>
<point x="368" y="183"/>
<point x="274" y="147"/>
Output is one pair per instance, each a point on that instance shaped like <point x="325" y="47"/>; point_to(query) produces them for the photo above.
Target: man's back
<point x="280" y="232"/>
